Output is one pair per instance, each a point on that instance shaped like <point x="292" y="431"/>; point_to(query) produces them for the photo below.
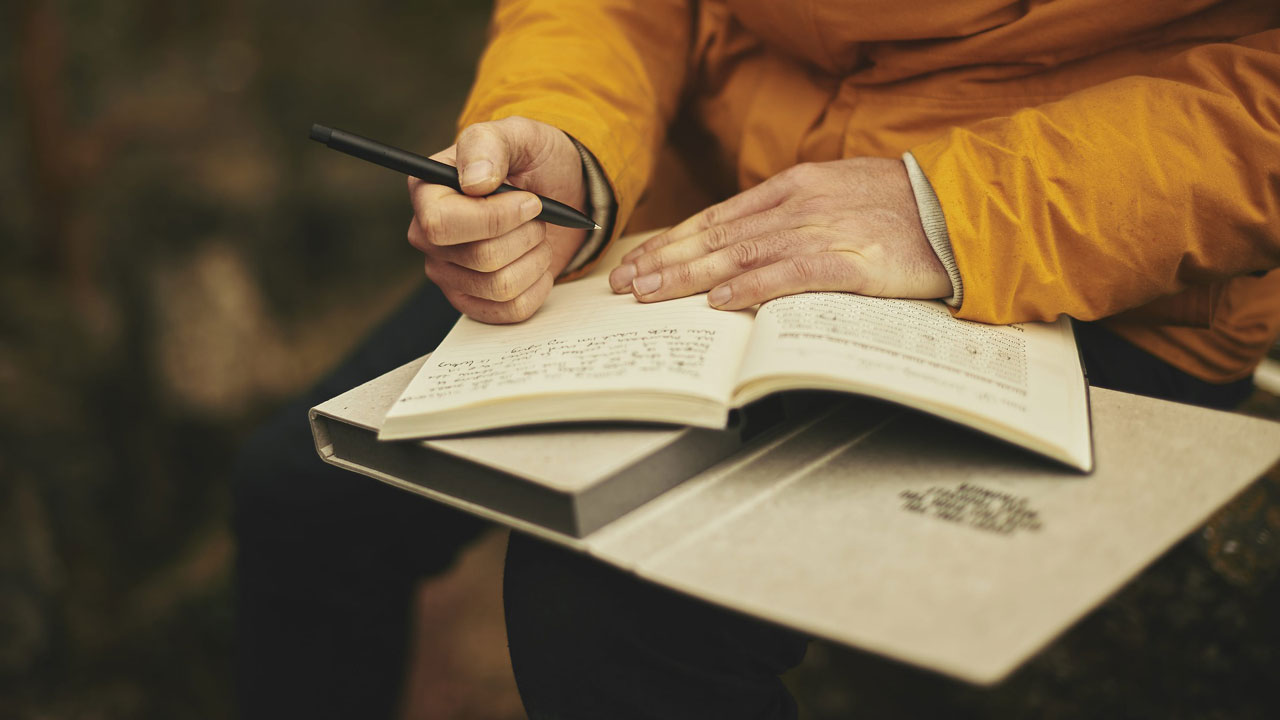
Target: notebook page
<point x="585" y="339"/>
<point x="1025" y="376"/>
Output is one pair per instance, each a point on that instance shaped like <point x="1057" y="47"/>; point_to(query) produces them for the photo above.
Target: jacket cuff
<point x="602" y="208"/>
<point x="935" y="226"/>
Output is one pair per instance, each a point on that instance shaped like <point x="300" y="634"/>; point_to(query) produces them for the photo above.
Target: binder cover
<point x="864" y="524"/>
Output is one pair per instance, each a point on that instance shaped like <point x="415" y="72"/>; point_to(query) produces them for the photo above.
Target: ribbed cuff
<point x="935" y="226"/>
<point x="602" y="208"/>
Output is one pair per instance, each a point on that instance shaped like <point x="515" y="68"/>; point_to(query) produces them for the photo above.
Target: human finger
<point x="788" y="276"/>
<point x="703" y="273"/>
<point x="492" y="254"/>
<point x="488" y="152"/>
<point x="447" y="217"/>
<point x="446" y="156"/>
<point x="700" y="244"/>
<point x="514" y="310"/>
<point x="501" y="285"/>
<point x="483" y="158"/>
<point x="760" y="198"/>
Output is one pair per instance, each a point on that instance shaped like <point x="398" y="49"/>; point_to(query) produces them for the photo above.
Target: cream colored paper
<point x="1023" y="382"/>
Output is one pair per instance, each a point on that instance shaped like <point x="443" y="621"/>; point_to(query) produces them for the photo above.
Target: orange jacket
<point x="1100" y="159"/>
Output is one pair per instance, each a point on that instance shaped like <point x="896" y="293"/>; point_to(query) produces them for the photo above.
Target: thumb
<point x="488" y="152"/>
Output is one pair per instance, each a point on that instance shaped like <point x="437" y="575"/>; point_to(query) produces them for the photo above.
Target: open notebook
<point x="591" y="355"/>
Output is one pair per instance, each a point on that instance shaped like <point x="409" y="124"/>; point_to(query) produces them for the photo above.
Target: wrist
<point x="598" y="204"/>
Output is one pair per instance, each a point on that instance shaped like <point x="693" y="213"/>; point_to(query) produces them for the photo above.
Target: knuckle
<point x="649" y="262"/>
<point x="471" y="134"/>
<point x="523" y="239"/>
<point x="717" y="236"/>
<point x="545" y="255"/>
<point x="502" y="285"/>
<point x="414" y="236"/>
<point x="516" y="128"/>
<point x="684" y="275"/>
<point x="797" y="175"/>
<point x="494" y="224"/>
<point x="644" y="251"/>
<point x="806" y="170"/>
<point x="512" y="121"/>
<point x="520" y="308"/>
<point x="658" y="241"/>
<point x="484" y="256"/>
<point x="516" y="124"/>
<point x="428" y="269"/>
<point x="485" y="314"/>
<point x="786" y="177"/>
<point x="744" y="255"/>
<point x="432" y="223"/>
<point x="534" y="232"/>
<point x="711" y="216"/>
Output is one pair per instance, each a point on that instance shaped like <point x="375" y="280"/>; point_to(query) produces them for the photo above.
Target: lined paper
<point x="585" y="339"/>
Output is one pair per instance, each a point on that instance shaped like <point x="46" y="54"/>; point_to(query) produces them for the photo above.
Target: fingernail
<point x="720" y="295"/>
<point x="476" y="173"/>
<point x="646" y="284"/>
<point x="531" y="207"/>
<point x="622" y="276"/>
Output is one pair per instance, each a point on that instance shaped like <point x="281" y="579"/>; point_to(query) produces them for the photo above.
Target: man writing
<point x="1112" y="162"/>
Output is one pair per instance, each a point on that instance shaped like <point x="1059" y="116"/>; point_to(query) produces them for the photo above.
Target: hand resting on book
<point x="491" y="261"/>
<point x="848" y="225"/>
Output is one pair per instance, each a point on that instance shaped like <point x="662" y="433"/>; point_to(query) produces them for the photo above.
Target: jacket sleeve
<point x="607" y="72"/>
<point x="1118" y="194"/>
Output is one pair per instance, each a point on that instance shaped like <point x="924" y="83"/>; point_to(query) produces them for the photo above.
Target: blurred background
<point x="177" y="260"/>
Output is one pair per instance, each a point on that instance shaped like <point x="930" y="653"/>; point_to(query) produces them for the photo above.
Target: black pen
<point x="436" y="173"/>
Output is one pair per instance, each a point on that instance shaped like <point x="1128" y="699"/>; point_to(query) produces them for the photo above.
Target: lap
<point x="284" y="489"/>
<point x="588" y="640"/>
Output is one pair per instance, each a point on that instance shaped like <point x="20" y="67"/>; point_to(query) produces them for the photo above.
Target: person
<point x="1020" y="161"/>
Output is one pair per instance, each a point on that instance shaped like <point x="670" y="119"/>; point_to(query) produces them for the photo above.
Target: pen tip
<point x="597" y="227"/>
<point x="320" y="133"/>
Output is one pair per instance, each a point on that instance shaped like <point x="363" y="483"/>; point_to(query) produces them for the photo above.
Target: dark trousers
<point x="327" y="560"/>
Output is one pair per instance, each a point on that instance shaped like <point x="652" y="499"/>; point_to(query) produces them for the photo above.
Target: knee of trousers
<point x="576" y="626"/>
<point x="287" y="503"/>
<point x="292" y="508"/>
<point x="271" y="472"/>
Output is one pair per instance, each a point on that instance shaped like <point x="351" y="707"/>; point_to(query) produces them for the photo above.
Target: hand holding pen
<point x="483" y="244"/>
